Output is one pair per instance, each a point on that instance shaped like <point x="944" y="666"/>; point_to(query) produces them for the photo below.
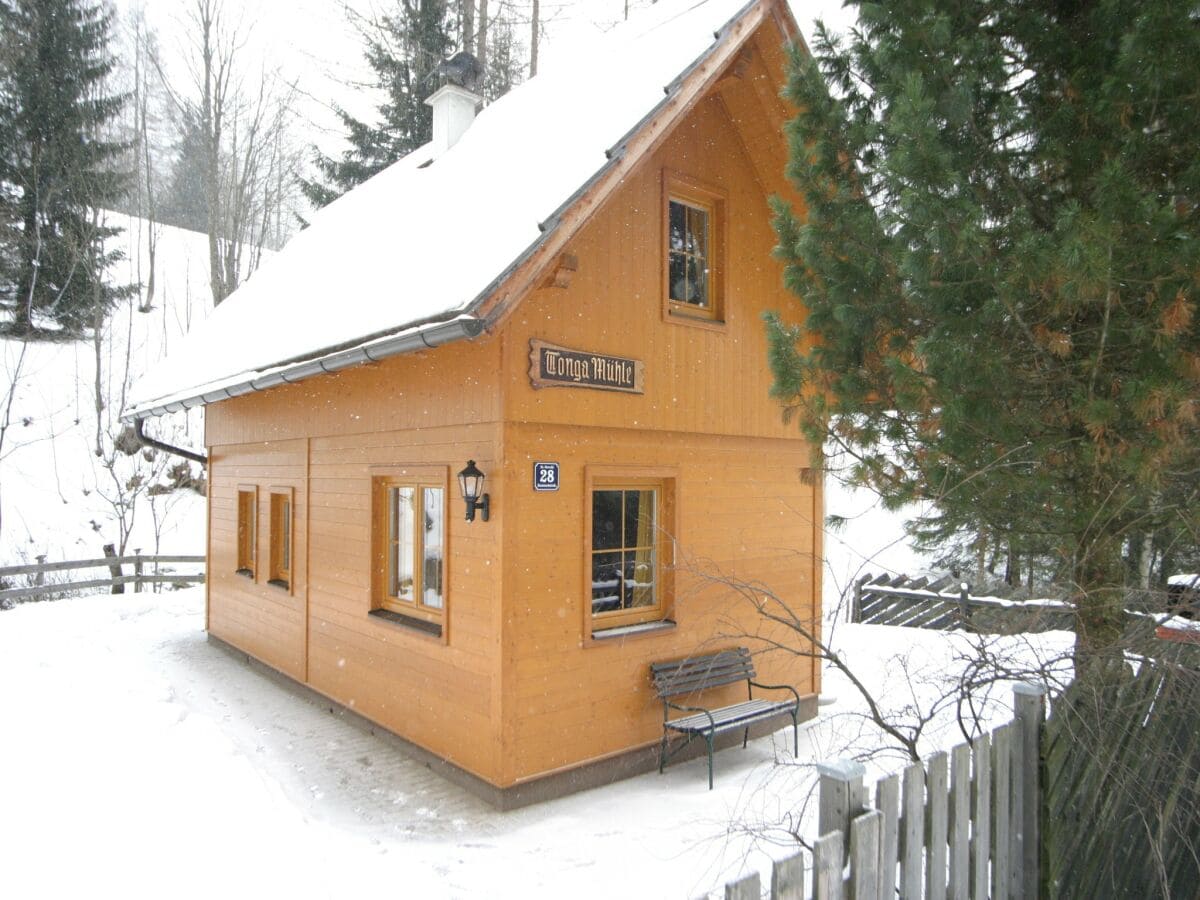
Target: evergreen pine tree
<point x="405" y="47"/>
<point x="1000" y="264"/>
<point x="57" y="168"/>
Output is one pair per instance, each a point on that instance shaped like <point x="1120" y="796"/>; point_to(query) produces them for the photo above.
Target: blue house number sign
<point x="545" y="476"/>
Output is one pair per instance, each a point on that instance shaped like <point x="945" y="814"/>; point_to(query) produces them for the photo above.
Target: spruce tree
<point x="57" y="168"/>
<point x="999" y="265"/>
<point x="402" y="49"/>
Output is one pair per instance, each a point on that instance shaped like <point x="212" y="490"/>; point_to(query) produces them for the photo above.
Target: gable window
<point x="629" y="546"/>
<point x="410" y="535"/>
<point x="694" y="248"/>
<point x="280" y="570"/>
<point x="247" y="530"/>
<point x="688" y="254"/>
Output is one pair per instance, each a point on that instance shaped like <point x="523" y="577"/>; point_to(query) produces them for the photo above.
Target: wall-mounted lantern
<point x="470" y="482"/>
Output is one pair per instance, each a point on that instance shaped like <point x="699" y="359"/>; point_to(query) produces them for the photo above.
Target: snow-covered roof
<point x="422" y="245"/>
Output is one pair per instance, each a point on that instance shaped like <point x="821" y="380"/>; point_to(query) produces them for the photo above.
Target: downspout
<point x="144" y="440"/>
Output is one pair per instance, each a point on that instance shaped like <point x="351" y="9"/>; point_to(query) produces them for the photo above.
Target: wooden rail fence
<point x="945" y="604"/>
<point x="963" y="824"/>
<point x="146" y="570"/>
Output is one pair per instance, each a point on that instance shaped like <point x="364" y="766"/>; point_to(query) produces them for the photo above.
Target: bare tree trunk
<point x="466" y="13"/>
<point x="97" y="338"/>
<point x="211" y="122"/>
<point x="1146" y="561"/>
<point x="533" y="40"/>
<point x="481" y="42"/>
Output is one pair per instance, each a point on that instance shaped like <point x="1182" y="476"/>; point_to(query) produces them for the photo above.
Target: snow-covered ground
<point x="58" y="499"/>
<point x="141" y="760"/>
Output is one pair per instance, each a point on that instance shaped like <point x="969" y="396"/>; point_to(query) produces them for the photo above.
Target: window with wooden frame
<point x="280" y="569"/>
<point x="694" y="246"/>
<point x="629" y="526"/>
<point x="409" y="584"/>
<point x="247" y="530"/>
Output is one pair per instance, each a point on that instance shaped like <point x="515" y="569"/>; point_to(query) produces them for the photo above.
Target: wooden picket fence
<point x="147" y="570"/>
<point x="963" y="824"/>
<point x="945" y="603"/>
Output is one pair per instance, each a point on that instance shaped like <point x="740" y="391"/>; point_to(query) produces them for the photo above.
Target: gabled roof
<point x="429" y="252"/>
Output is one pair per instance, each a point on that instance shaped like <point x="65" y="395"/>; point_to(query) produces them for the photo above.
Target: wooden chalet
<point x="567" y="293"/>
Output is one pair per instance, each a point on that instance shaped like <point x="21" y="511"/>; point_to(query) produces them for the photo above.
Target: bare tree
<point x="248" y="160"/>
<point x="147" y="98"/>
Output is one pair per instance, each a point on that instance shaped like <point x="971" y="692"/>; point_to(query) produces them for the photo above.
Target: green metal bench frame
<point x="700" y="673"/>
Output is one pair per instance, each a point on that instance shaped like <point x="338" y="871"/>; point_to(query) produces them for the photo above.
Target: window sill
<point x="280" y="583"/>
<point x="412" y="623"/>
<point x="683" y="316"/>
<point x="245" y="573"/>
<point x="624" y="631"/>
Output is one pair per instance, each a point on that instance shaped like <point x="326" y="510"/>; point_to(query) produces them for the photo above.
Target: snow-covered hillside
<point x="61" y="499"/>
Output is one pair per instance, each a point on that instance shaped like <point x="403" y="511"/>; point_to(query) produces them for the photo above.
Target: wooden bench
<point x="700" y="673"/>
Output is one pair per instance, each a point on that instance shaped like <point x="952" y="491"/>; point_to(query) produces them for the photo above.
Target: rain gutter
<point x="147" y="441"/>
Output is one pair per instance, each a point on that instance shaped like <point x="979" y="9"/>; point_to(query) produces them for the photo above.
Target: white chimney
<point x="453" y="112"/>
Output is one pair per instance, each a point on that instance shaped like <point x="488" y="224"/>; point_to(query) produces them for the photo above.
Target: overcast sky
<point x="312" y="43"/>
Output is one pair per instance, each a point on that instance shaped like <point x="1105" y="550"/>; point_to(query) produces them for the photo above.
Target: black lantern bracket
<point x="470" y="483"/>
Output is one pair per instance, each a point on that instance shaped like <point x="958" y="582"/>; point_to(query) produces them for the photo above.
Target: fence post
<point x="137" y="571"/>
<point x="114" y="568"/>
<point x="856" y="603"/>
<point x="842" y="796"/>
<point x="1029" y="702"/>
<point x="964" y="608"/>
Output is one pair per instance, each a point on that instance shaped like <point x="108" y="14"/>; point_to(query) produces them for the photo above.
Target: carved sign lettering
<point x="551" y="366"/>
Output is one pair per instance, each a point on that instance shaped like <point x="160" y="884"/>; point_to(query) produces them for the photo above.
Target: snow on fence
<point x="146" y="570"/>
<point x="963" y="824"/>
<point x="944" y="604"/>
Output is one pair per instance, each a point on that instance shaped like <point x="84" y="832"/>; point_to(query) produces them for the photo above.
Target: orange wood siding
<point x="742" y="507"/>
<point x="264" y="620"/>
<point x="699" y="377"/>
<point x="429" y="409"/>
<point x="742" y="510"/>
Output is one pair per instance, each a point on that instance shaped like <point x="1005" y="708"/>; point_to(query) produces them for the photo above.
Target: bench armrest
<point x="778" y="687"/>
<point x="712" y="723"/>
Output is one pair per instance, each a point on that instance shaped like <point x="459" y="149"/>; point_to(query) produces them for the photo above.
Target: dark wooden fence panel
<point x="945" y="604"/>
<point x="1122" y="801"/>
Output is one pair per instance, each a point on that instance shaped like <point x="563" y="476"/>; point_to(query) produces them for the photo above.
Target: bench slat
<point x="738" y="715"/>
<point x="699" y="673"/>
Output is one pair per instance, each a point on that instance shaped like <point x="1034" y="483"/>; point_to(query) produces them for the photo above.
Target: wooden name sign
<point x="551" y="366"/>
